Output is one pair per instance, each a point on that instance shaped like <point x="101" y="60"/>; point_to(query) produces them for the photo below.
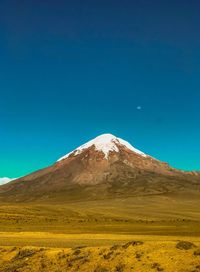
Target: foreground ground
<point x="144" y="255"/>
<point x="135" y="234"/>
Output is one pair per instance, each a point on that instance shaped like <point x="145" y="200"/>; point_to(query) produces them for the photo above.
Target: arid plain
<point x="132" y="234"/>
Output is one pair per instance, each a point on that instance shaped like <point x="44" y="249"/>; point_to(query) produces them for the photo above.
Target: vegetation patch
<point x="138" y="255"/>
<point x="184" y="245"/>
<point x="108" y="255"/>
<point x="120" y="268"/>
<point x="101" y="269"/>
<point x="77" y="252"/>
<point x="133" y="243"/>
<point x="24" y="253"/>
<point x="157" y="267"/>
<point x="197" y="252"/>
<point x="115" y="247"/>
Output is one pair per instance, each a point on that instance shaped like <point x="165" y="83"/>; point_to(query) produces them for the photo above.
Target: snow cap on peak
<point x="104" y="143"/>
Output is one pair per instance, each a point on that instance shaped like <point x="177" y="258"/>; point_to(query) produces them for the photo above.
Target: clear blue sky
<point x="71" y="70"/>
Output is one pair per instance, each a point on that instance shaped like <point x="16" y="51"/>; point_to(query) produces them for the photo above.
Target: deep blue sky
<point x="71" y="70"/>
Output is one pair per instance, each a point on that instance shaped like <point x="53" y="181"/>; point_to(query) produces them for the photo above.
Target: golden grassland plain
<point x="138" y="234"/>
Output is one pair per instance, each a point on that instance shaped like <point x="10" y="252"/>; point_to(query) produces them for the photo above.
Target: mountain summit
<point x="105" y="167"/>
<point x="104" y="143"/>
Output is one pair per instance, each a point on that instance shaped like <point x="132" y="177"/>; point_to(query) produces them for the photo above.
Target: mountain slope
<point x="106" y="167"/>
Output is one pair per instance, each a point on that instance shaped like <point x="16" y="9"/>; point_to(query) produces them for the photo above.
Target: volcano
<point x="105" y="167"/>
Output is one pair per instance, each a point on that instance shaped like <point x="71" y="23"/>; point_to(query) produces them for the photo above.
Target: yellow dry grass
<point x="149" y="254"/>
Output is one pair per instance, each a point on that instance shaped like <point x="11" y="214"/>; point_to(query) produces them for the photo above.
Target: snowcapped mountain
<point x="4" y="180"/>
<point x="105" y="167"/>
<point x="104" y="143"/>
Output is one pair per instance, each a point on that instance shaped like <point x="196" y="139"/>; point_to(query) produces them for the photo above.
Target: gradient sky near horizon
<point x="71" y="70"/>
